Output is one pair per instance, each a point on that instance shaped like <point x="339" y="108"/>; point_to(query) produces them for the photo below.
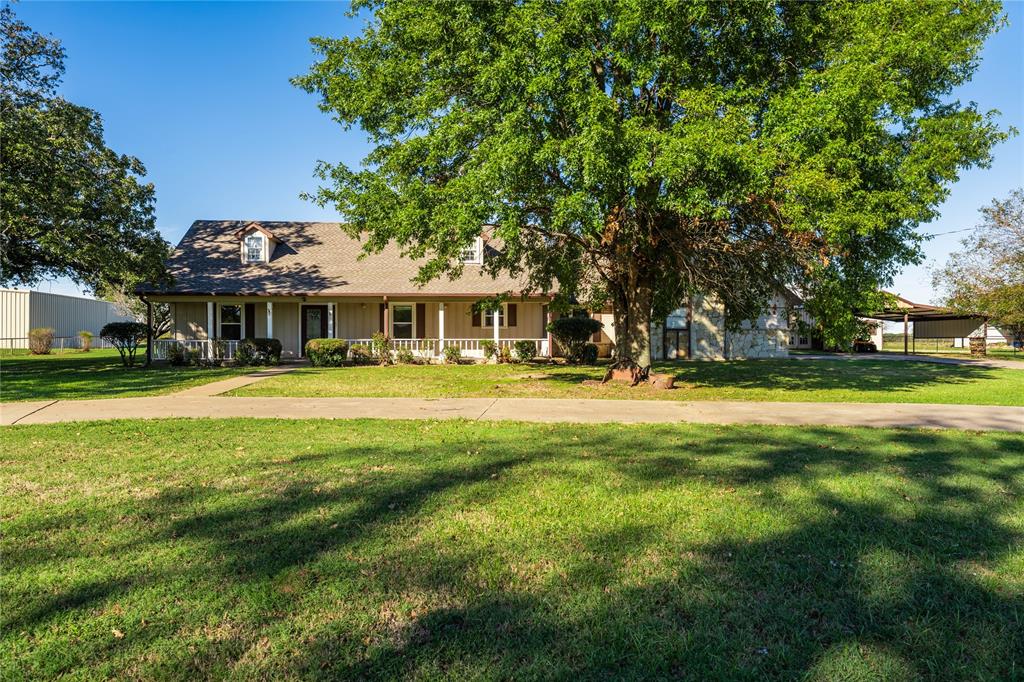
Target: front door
<point x="676" y="337"/>
<point x="314" y="323"/>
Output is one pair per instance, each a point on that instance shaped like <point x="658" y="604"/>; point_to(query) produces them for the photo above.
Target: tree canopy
<point x="987" y="274"/>
<point x="69" y="205"/>
<point x="637" y="152"/>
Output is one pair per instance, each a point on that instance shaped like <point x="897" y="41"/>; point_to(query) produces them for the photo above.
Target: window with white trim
<point x="253" y="247"/>
<point x="474" y="255"/>
<point x="402" y="321"/>
<point x="502" y="317"/>
<point x="231" y="322"/>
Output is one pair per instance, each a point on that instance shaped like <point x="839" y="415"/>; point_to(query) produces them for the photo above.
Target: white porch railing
<point x="468" y="348"/>
<point x="207" y="348"/>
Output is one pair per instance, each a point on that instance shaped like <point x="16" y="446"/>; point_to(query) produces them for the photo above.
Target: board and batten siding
<point x="21" y="311"/>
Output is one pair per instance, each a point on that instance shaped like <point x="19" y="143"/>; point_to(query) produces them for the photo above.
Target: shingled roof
<point x="314" y="259"/>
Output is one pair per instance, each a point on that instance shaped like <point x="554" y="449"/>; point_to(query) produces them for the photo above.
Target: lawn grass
<point x="862" y="381"/>
<point x="96" y="374"/>
<point x="250" y="549"/>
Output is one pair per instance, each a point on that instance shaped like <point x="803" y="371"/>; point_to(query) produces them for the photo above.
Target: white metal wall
<point x="21" y="311"/>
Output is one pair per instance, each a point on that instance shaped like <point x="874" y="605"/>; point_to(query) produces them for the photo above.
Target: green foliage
<point x="489" y="347"/>
<point x="327" y="352"/>
<point x="504" y="354"/>
<point x="40" y="340"/>
<point x="572" y="333"/>
<point x="380" y="348"/>
<point x="69" y="205"/>
<point x="85" y="339"/>
<point x="360" y="353"/>
<point x="126" y="338"/>
<point x="404" y="356"/>
<point x="639" y="152"/>
<point x="525" y="351"/>
<point x="259" y="352"/>
<point x="178" y="355"/>
<point x="987" y="275"/>
<point x="452" y="355"/>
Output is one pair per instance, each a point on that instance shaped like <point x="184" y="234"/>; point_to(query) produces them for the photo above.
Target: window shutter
<point x="476" y="318"/>
<point x="250" y="320"/>
<point x="380" y="324"/>
<point x="512" y="311"/>
<point x="421" y="320"/>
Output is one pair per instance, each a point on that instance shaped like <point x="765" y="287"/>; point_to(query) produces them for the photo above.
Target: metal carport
<point x="930" y="322"/>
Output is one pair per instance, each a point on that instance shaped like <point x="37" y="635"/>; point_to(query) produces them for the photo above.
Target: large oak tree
<point x="69" y="205"/>
<point x="640" y="151"/>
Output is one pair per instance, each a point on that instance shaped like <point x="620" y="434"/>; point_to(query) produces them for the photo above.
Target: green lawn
<point x="868" y="381"/>
<point x="96" y="374"/>
<point x="346" y="550"/>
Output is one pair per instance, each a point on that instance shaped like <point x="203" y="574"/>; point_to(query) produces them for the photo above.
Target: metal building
<point x="21" y="311"/>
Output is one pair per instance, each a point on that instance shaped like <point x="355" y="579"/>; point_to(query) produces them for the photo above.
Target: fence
<point x="216" y="349"/>
<point x="470" y="348"/>
<point x="9" y="345"/>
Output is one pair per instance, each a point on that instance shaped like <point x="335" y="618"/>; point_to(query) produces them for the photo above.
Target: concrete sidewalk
<point x="906" y="415"/>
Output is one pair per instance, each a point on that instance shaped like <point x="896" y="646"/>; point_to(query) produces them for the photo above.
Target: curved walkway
<point x="906" y="415"/>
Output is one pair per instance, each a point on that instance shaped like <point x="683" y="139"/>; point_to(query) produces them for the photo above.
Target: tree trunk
<point x="632" y="313"/>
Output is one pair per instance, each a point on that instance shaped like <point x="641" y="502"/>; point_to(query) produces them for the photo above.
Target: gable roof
<point x="315" y="259"/>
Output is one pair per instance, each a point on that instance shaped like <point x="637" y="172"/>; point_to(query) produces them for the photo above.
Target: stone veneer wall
<point x="765" y="337"/>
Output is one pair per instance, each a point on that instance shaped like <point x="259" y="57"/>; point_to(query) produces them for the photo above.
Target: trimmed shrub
<point x="85" y="338"/>
<point x="327" y="352"/>
<point x="258" y="352"/>
<point x="360" y="353"/>
<point x="489" y="348"/>
<point x="504" y="355"/>
<point x="126" y="338"/>
<point x="452" y="355"/>
<point x="589" y="355"/>
<point x="178" y="355"/>
<point x="405" y="357"/>
<point x="40" y="340"/>
<point x="525" y="350"/>
<point x="380" y="348"/>
<point x="573" y="334"/>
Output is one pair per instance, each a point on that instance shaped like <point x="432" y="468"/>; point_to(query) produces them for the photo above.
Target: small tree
<point x="126" y="338"/>
<point x="86" y="338"/>
<point x="40" y="340"/>
<point x="573" y="333"/>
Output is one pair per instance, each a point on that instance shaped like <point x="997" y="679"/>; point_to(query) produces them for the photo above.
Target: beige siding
<point x="260" y="328"/>
<point x="458" y="322"/>
<point x="286" y="327"/>
<point x="356" y="320"/>
<point x="14" y="316"/>
<point x="189" y="320"/>
<point x="21" y="311"/>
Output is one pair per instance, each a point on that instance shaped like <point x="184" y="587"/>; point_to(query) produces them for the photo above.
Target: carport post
<point x="149" y="332"/>
<point x="906" y="327"/>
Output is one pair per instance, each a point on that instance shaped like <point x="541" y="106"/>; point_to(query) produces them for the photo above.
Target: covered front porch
<point x="426" y="326"/>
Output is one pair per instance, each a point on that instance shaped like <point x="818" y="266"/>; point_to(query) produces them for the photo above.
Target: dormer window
<point x="255" y="245"/>
<point x="474" y="255"/>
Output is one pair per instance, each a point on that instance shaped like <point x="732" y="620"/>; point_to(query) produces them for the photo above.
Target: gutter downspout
<point x="149" y="330"/>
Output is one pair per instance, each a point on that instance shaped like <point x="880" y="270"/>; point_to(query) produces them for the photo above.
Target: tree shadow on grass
<point x="412" y="571"/>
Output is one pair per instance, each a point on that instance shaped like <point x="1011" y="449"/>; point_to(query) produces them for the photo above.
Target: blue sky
<point x="200" y="93"/>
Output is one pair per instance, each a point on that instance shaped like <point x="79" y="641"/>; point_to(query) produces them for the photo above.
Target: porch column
<point x="270" y="319"/>
<point x="149" y="332"/>
<point x="330" y="320"/>
<point x="497" y="323"/>
<point x="440" y="328"/>
<point x="551" y="339"/>
<point x="387" y="314"/>
<point x="209" y="320"/>
<point x="906" y="327"/>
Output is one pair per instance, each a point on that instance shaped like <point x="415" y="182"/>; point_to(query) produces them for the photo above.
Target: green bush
<point x="489" y="348"/>
<point x="178" y="355"/>
<point x="360" y="353"/>
<point x="452" y="355"/>
<point x="505" y="355"/>
<point x="40" y="341"/>
<point x="380" y="348"/>
<point x="573" y="333"/>
<point x="327" y="352"/>
<point x="85" y="337"/>
<point x="126" y="337"/>
<point x="405" y="357"/>
<point x="525" y="350"/>
<point x="589" y="355"/>
<point x="258" y="352"/>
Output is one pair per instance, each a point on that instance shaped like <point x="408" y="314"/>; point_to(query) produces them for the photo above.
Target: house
<point x="296" y="281"/>
<point x="21" y="311"/>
